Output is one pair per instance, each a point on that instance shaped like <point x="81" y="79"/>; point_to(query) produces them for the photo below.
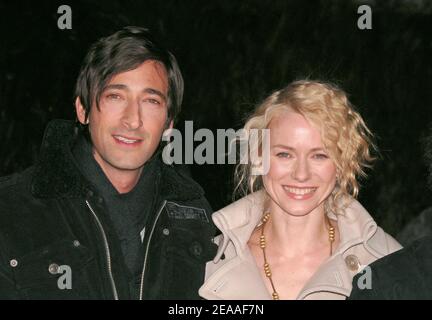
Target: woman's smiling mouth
<point x="297" y="193"/>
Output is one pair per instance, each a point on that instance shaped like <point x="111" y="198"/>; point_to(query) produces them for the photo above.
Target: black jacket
<point x="403" y="275"/>
<point x="51" y="217"/>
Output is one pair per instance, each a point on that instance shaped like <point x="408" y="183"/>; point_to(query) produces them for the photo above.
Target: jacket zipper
<point x="147" y="250"/>
<point x="107" y="251"/>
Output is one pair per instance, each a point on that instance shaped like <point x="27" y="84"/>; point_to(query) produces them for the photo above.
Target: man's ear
<point x="168" y="125"/>
<point x="80" y="111"/>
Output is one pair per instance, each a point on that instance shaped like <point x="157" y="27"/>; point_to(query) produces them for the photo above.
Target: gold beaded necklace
<point x="263" y="244"/>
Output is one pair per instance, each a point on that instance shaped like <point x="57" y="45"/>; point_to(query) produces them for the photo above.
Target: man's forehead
<point x="150" y="75"/>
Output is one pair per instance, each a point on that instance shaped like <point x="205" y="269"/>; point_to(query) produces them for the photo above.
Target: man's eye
<point x="152" y="101"/>
<point x="113" y="96"/>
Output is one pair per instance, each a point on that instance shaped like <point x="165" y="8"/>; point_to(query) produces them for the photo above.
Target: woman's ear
<point x="338" y="177"/>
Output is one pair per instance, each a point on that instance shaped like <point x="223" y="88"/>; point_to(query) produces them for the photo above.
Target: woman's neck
<point x="297" y="235"/>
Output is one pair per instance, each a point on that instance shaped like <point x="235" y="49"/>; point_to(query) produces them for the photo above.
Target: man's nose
<point x="132" y="117"/>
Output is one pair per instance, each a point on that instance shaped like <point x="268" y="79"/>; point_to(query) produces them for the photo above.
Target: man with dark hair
<point x="405" y="274"/>
<point x="100" y="216"/>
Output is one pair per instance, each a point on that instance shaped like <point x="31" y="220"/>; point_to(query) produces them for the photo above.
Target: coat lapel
<point x="239" y="279"/>
<point x="330" y="277"/>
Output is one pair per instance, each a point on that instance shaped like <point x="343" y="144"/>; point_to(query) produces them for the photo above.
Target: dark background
<point x="233" y="54"/>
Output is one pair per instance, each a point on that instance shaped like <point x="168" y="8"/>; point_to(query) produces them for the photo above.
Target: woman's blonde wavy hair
<point x="345" y="135"/>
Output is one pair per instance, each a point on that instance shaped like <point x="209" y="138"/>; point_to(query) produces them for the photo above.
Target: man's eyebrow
<point x="156" y="92"/>
<point x="115" y="86"/>
<point x="146" y="90"/>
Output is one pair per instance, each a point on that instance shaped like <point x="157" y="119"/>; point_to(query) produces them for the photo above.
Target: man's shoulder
<point x="177" y="183"/>
<point x="404" y="274"/>
<point x="9" y="183"/>
<point x="19" y="208"/>
<point x="185" y="197"/>
<point x="412" y="256"/>
<point x="181" y="172"/>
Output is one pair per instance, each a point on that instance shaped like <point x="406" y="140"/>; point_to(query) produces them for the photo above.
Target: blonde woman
<point x="299" y="233"/>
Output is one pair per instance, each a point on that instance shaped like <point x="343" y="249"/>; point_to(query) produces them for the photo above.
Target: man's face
<point x="127" y="128"/>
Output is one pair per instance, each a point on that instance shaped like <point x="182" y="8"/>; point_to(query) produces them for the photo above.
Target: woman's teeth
<point x="300" y="191"/>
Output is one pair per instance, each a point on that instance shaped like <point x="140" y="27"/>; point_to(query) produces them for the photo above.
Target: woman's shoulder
<point x="393" y="244"/>
<point x="239" y="218"/>
<point x="359" y="225"/>
<point x="250" y="201"/>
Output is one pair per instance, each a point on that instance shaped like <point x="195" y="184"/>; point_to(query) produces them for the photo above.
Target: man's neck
<point x="122" y="180"/>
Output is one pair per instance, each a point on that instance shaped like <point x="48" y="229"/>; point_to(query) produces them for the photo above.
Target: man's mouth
<point x="126" y="140"/>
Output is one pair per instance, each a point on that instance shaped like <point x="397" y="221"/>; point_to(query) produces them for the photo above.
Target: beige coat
<point x="238" y="277"/>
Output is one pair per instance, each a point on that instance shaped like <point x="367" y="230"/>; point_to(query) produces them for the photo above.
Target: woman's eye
<point x="283" y="155"/>
<point x="320" y="156"/>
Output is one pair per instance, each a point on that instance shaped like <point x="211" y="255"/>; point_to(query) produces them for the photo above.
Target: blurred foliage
<point x="233" y="54"/>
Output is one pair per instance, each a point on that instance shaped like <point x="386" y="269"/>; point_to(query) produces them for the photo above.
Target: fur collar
<point x="56" y="172"/>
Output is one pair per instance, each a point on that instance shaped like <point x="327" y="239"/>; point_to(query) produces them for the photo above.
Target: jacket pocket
<point x="187" y="252"/>
<point x="57" y="271"/>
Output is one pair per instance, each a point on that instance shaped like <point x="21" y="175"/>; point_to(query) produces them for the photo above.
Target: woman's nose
<point x="301" y="170"/>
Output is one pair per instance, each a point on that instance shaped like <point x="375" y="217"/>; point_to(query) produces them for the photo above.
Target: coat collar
<point x="56" y="172"/>
<point x="237" y="222"/>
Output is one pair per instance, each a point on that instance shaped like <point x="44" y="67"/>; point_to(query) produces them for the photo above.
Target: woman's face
<point x="301" y="174"/>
